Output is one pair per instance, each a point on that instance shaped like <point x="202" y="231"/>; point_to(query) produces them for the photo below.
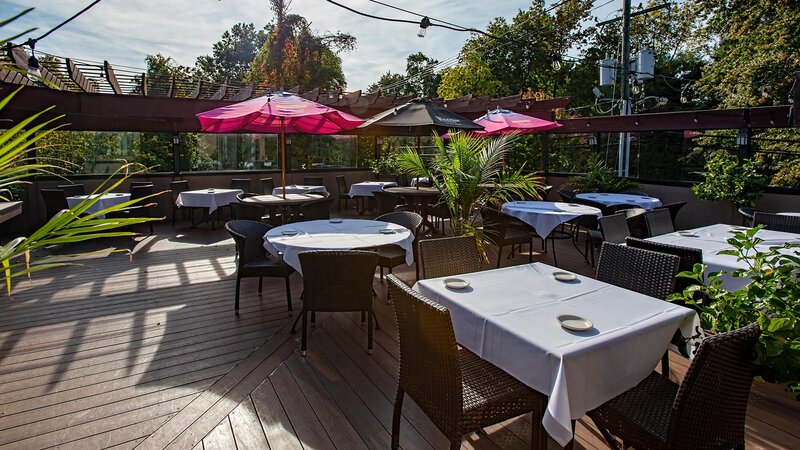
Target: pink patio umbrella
<point x="503" y="121"/>
<point x="278" y="113"/>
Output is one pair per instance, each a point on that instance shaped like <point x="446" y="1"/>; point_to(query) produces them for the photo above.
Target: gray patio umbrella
<point x="420" y="116"/>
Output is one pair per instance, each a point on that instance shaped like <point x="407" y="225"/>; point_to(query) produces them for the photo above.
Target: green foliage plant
<point x="388" y="163"/>
<point x="772" y="299"/>
<point x="726" y="179"/>
<point x="70" y="226"/>
<point x="600" y="178"/>
<point x="462" y="168"/>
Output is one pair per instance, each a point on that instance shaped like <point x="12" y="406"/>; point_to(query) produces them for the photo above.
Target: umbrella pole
<point x="418" y="154"/>
<point x="283" y="158"/>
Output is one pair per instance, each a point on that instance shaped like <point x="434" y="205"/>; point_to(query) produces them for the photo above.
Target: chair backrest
<point x="673" y="209"/>
<point x="140" y="183"/>
<point x="249" y="238"/>
<point x="644" y="271"/>
<point x="567" y="196"/>
<point x="317" y="209"/>
<point x="241" y="183"/>
<point x="267" y="185"/>
<point x="449" y="256"/>
<point x="177" y="187"/>
<point x="634" y="192"/>
<point x="408" y="219"/>
<point x="747" y="215"/>
<point x="711" y="403"/>
<point x="688" y="257"/>
<point x="777" y="222"/>
<point x="141" y="191"/>
<point x="248" y="211"/>
<point x="544" y="192"/>
<point x="658" y="222"/>
<point x="385" y="201"/>
<point x="429" y="367"/>
<point x="341" y="185"/>
<point x="313" y="181"/>
<point x="71" y="190"/>
<point x="55" y="200"/>
<point x="614" y="228"/>
<point x="495" y="225"/>
<point x="337" y="280"/>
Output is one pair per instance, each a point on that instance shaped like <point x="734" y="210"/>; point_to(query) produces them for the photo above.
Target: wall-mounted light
<point x="592" y="140"/>
<point x="423" y="27"/>
<point x="742" y="138"/>
<point x="556" y="62"/>
<point x="176" y="140"/>
<point x="379" y="140"/>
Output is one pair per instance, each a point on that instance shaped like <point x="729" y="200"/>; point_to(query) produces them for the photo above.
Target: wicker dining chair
<point x="267" y="185"/>
<point x="747" y="215"/>
<point x="140" y="183"/>
<point x="457" y="390"/>
<point x="706" y="411"/>
<point x="566" y="195"/>
<point x="674" y="209"/>
<point x="385" y="202"/>
<point x="253" y="260"/>
<point x="71" y="190"/>
<point x="337" y="281"/>
<point x="644" y="271"/>
<point x="248" y="211"/>
<point x="658" y="221"/>
<point x="449" y="256"/>
<point x="313" y="181"/>
<point x="614" y="228"/>
<point x="391" y="256"/>
<point x="242" y="184"/>
<point x="344" y="193"/>
<point x="316" y="209"/>
<point x="777" y="222"/>
<point x="499" y="232"/>
<point x="55" y="201"/>
<point x="177" y="187"/>
<point x="142" y="208"/>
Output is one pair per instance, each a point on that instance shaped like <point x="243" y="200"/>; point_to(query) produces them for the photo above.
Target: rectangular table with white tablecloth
<point x="208" y="198"/>
<point x="508" y="317"/>
<point x="105" y="201"/>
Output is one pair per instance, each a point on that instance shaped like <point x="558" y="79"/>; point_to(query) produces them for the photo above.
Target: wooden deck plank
<point x="220" y="438"/>
<point x="246" y="427"/>
<point x="277" y="427"/>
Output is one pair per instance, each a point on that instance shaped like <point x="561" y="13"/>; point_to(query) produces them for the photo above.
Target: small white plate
<point x="336" y="220"/>
<point x="386" y="231"/>
<point x="687" y="234"/>
<point x="737" y="228"/>
<point x="574" y="323"/>
<point x="456" y="283"/>
<point x="630" y="200"/>
<point x="573" y="204"/>
<point x="564" y="276"/>
<point x="211" y="191"/>
<point x="289" y="232"/>
<point x="645" y="198"/>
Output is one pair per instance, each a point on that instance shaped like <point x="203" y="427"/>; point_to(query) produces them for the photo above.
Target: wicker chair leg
<point x="304" y="333"/>
<point x="530" y="251"/>
<point x="375" y="318"/>
<point x="500" y="255"/>
<point x="236" y="304"/>
<point x="260" y="284"/>
<point x="396" y="415"/>
<point x="300" y="316"/>
<point x="381" y="269"/>
<point x="288" y="295"/>
<point x="363" y="317"/>
<point x="538" y="434"/>
<point x="555" y="260"/>
<point x="174" y="213"/>
<point x="369" y="332"/>
<point x="665" y="364"/>
<point x="314" y="319"/>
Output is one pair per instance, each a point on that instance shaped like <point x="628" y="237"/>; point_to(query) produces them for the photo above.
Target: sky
<point x="125" y="31"/>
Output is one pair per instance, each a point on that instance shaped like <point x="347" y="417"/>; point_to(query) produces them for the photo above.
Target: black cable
<point x="66" y="21"/>
<point x="416" y="14"/>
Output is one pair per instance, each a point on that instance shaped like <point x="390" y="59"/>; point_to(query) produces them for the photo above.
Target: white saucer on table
<point x="456" y="283"/>
<point x="574" y="323"/>
<point x="565" y="276"/>
<point x="289" y="232"/>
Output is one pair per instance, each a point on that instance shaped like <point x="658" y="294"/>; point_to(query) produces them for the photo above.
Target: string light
<point x="423" y="26"/>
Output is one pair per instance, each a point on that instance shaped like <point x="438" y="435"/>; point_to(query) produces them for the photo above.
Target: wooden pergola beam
<point x="78" y="77"/>
<point x="111" y="77"/>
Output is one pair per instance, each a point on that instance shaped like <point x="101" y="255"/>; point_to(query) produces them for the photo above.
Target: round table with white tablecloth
<point x="366" y="188"/>
<point x="299" y="189"/>
<point x="544" y="217"/>
<point x="610" y="199"/>
<point x="105" y="201"/>
<point x="349" y="234"/>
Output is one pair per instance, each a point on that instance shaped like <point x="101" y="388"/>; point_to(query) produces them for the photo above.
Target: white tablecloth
<point x="508" y="317"/>
<point x="299" y="189"/>
<point x="417" y="180"/>
<point x="350" y="234"/>
<point x="105" y="201"/>
<point x="203" y="198"/>
<point x="713" y="238"/>
<point x="647" y="203"/>
<point x="545" y="216"/>
<point x="366" y="188"/>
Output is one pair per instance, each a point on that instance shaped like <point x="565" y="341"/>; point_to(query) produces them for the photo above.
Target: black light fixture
<point x="423" y="26"/>
<point x="34" y="70"/>
<point x="556" y="62"/>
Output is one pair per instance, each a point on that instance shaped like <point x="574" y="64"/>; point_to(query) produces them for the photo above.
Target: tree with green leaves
<point x="232" y="55"/>
<point x="293" y="55"/>
<point x="421" y="78"/>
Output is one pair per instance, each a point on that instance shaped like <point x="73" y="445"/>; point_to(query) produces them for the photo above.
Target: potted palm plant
<point x="470" y="174"/>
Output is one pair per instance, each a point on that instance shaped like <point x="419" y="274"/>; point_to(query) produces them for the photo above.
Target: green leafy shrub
<point x="726" y="179"/>
<point x="772" y="299"/>
<point x="387" y="164"/>
<point x="600" y="178"/>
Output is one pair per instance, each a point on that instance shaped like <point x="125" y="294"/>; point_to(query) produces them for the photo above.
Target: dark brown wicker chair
<point x="385" y="202"/>
<point x="391" y="256"/>
<point x="313" y="181"/>
<point x="71" y="190"/>
<point x="439" y="211"/>
<point x="658" y="222"/>
<point x="267" y="185"/>
<point x="55" y="201"/>
<point x="448" y="256"/>
<point x="706" y="411"/>
<point x="337" y="281"/>
<point x="142" y="208"/>
<point x="242" y="184"/>
<point x="459" y="391"/>
<point x="674" y="209"/>
<point x="344" y="192"/>
<point x="499" y="232"/>
<point x="253" y="260"/>
<point x="643" y="271"/>
<point x="177" y="187"/>
<point x="248" y="211"/>
<point x="566" y="195"/>
<point x="777" y="222"/>
<point x="614" y="228"/>
<point x="747" y="215"/>
<point x="140" y="183"/>
<point x="316" y="209"/>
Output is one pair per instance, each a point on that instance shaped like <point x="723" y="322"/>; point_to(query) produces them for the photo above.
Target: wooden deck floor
<point x="147" y="353"/>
